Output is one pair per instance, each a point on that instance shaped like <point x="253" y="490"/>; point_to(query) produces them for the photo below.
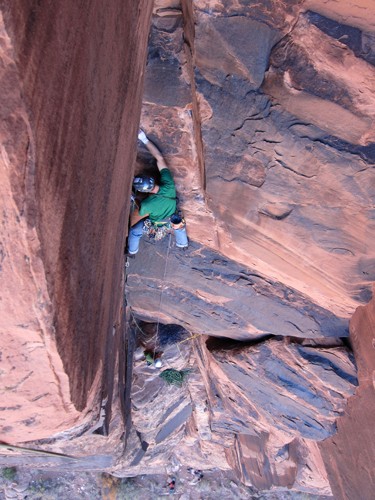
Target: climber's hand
<point x="142" y="137"/>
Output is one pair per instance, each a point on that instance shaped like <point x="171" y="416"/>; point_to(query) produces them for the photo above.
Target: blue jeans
<point x="136" y="232"/>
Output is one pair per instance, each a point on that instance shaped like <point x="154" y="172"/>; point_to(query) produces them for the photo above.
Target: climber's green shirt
<point x="162" y="205"/>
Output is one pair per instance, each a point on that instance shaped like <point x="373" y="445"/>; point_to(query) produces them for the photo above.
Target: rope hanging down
<point x="156" y="334"/>
<point x="161" y="295"/>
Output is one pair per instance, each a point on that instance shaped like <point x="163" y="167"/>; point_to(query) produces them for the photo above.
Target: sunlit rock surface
<point x="278" y="188"/>
<point x="267" y="186"/>
<point x="264" y="112"/>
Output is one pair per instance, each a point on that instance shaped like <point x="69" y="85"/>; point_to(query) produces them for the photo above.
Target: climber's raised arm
<point x="158" y="206"/>
<point x="153" y="150"/>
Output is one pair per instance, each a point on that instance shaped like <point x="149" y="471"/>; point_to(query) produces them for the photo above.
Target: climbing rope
<point x="155" y="337"/>
<point x="156" y="334"/>
<point x="161" y="294"/>
<point x="33" y="451"/>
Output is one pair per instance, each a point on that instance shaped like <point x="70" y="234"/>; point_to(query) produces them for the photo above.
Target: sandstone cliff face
<point x="348" y="454"/>
<point x="265" y="115"/>
<point x="286" y="184"/>
<point x="264" y="112"/>
<point x="71" y="99"/>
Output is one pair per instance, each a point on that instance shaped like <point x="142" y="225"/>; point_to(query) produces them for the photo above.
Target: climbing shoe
<point x="130" y="255"/>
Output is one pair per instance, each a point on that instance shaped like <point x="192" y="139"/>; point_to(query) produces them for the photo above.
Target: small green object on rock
<point x="9" y="473"/>
<point x="174" y="377"/>
<point x="149" y="358"/>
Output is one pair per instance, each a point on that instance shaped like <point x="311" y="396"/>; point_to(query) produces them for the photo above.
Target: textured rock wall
<point x="283" y="191"/>
<point x="212" y="295"/>
<point x="33" y="381"/>
<point x="261" y="405"/>
<point x="72" y="78"/>
<point x="285" y="114"/>
<point x="349" y="455"/>
<point x="257" y="409"/>
<point x="264" y="112"/>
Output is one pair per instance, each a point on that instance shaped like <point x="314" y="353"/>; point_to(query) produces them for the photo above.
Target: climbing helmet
<point x="143" y="183"/>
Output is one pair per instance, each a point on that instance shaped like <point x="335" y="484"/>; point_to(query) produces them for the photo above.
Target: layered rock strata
<point x="261" y="405"/>
<point x="264" y="112"/>
<point x="258" y="409"/>
<point x="212" y="295"/>
<point x="284" y="192"/>
<point x="265" y="115"/>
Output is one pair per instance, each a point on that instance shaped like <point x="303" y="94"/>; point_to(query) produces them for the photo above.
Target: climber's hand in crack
<point x="153" y="150"/>
<point x="142" y="136"/>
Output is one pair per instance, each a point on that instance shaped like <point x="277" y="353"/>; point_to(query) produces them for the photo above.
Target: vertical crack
<point x="189" y="35"/>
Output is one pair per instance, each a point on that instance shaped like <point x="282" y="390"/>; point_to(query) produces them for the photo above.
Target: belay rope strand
<point x="161" y="295"/>
<point x="156" y="335"/>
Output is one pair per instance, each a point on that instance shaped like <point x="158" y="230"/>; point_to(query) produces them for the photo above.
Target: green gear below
<point x="174" y="377"/>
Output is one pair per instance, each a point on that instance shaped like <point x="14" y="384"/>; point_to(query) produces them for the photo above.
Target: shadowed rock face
<point x="71" y="94"/>
<point x="292" y="388"/>
<point x="257" y="408"/>
<point x="354" y="438"/>
<point x="257" y="405"/>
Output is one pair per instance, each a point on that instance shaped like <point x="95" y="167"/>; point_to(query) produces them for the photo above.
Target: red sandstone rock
<point x="264" y="117"/>
<point x="321" y="81"/>
<point x="72" y="87"/>
<point x="285" y="197"/>
<point x="349" y="455"/>
<point x="273" y="200"/>
<point x="35" y="397"/>
<point x="359" y="13"/>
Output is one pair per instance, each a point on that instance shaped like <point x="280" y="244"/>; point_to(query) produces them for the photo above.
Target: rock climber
<point x="159" y="208"/>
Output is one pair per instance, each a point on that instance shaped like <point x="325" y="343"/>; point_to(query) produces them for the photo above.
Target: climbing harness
<point x="159" y="230"/>
<point x="156" y="231"/>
